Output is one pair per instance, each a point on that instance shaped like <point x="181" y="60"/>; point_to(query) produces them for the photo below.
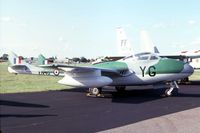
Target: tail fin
<point x="41" y="60"/>
<point x="146" y="42"/>
<point x="18" y="65"/>
<point x="124" y="47"/>
<point x="156" y="50"/>
<point x="15" y="60"/>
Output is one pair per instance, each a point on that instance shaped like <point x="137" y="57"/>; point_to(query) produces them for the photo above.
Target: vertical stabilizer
<point x="156" y="50"/>
<point x="14" y="59"/>
<point x="146" y="42"/>
<point x="41" y="60"/>
<point x="124" y="47"/>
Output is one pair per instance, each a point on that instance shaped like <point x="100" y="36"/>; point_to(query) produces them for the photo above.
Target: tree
<point x="5" y="57"/>
<point x="76" y="59"/>
<point x="83" y="59"/>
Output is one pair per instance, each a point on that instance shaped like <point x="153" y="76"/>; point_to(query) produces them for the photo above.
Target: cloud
<point x="62" y="39"/>
<point x="6" y="19"/>
<point x="191" y="22"/>
<point x="13" y="20"/>
<point x="128" y="25"/>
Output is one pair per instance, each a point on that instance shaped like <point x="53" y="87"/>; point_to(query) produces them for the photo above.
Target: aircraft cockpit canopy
<point x="143" y="56"/>
<point x="147" y="56"/>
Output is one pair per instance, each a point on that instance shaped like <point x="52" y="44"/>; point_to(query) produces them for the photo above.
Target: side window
<point x="153" y="58"/>
<point x="143" y="57"/>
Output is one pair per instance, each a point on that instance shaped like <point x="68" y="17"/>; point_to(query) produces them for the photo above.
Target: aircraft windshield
<point x="147" y="56"/>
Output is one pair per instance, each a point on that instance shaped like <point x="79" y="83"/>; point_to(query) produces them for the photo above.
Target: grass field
<point x="10" y="83"/>
<point x="195" y="75"/>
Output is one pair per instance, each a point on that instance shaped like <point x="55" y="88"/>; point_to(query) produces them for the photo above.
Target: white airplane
<point x="141" y="69"/>
<point x="124" y="46"/>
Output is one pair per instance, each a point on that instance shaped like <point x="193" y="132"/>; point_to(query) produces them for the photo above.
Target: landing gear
<point x="172" y="90"/>
<point x="184" y="81"/>
<point x="95" y="92"/>
<point x="120" y="88"/>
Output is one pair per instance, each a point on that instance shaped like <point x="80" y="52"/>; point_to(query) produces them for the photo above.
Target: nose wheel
<point x="172" y="90"/>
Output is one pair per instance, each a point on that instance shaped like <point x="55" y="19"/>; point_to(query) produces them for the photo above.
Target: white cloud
<point x="62" y="39"/>
<point x="6" y="19"/>
<point x="13" y="20"/>
<point x="128" y="25"/>
<point x="191" y="22"/>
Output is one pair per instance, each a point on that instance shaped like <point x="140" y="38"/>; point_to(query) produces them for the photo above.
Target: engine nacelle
<point x="88" y="82"/>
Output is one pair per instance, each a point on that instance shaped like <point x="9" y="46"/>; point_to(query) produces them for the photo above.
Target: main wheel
<point x="174" y="92"/>
<point x="167" y="92"/>
<point x="95" y="91"/>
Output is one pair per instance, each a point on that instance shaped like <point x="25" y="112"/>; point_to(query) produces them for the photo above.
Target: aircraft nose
<point x="188" y="69"/>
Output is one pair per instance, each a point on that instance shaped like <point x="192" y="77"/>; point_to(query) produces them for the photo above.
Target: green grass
<point x="11" y="83"/>
<point x="195" y="75"/>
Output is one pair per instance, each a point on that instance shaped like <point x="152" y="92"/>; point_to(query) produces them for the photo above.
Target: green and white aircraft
<point x="140" y="69"/>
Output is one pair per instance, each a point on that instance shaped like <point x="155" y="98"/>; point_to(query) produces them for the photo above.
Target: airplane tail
<point x="146" y="42"/>
<point x="19" y="66"/>
<point x="41" y="60"/>
<point x="156" y="50"/>
<point x="124" y="46"/>
<point x="14" y="59"/>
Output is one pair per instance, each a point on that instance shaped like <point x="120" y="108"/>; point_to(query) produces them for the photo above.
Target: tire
<point x="95" y="91"/>
<point x="167" y="94"/>
<point x="56" y="72"/>
<point x="173" y="93"/>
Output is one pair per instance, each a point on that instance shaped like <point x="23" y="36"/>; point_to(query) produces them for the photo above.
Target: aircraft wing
<point x="174" y="56"/>
<point x="84" y="69"/>
<point x="88" y="76"/>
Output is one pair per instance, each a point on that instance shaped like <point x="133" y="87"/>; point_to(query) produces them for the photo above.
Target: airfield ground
<point x="55" y="108"/>
<point x="71" y="111"/>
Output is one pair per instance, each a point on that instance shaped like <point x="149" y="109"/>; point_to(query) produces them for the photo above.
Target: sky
<point x="76" y="28"/>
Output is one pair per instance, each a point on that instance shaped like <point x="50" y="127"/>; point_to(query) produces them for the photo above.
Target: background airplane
<point x="147" y="46"/>
<point x="124" y="46"/>
<point x="142" y="69"/>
